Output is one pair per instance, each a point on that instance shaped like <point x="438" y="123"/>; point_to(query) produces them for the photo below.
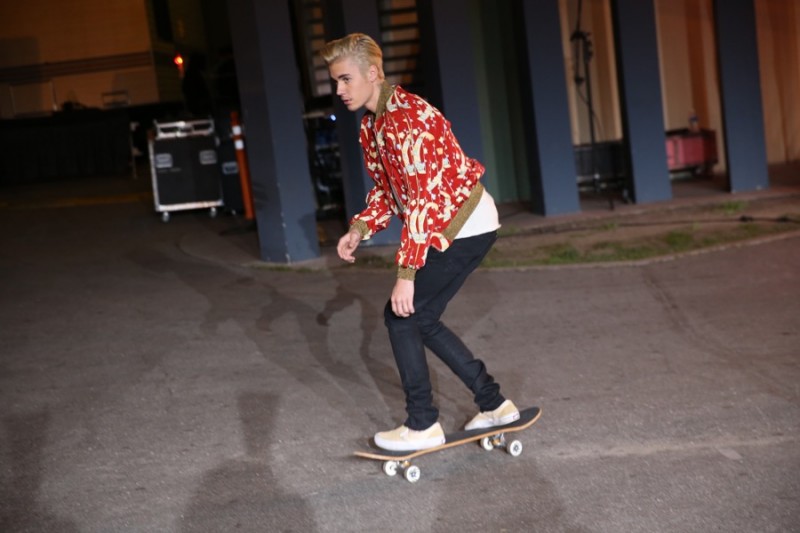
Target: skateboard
<point x="489" y="438"/>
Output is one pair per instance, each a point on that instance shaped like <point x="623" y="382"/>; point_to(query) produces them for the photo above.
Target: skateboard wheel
<point x="515" y="448"/>
<point x="412" y="474"/>
<point x="487" y="444"/>
<point x="390" y="468"/>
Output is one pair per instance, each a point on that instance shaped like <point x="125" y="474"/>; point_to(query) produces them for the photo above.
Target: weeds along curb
<point x="652" y="260"/>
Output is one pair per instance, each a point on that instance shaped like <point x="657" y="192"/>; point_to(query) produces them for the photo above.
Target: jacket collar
<point x="386" y="93"/>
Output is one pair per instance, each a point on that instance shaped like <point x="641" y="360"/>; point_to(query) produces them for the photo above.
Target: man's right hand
<point x="348" y="244"/>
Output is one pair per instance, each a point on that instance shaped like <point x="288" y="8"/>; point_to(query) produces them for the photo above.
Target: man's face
<point x="354" y="88"/>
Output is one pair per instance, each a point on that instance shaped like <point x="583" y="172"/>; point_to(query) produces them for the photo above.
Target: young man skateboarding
<point x="449" y="224"/>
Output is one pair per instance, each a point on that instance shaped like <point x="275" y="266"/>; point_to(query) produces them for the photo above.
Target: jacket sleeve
<point x="380" y="208"/>
<point x="376" y="216"/>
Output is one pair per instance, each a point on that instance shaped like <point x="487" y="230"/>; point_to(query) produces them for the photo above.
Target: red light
<point x="178" y="60"/>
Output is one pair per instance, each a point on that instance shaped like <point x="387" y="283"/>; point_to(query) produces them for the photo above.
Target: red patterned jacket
<point x="420" y="174"/>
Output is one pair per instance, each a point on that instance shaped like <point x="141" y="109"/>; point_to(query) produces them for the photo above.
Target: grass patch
<point x="516" y="248"/>
<point x="271" y="267"/>
<point x="620" y="251"/>
<point x="508" y="231"/>
<point x="609" y="226"/>
<point x="734" y="207"/>
<point x="525" y="252"/>
<point x="678" y="241"/>
<point x="375" y="261"/>
<point x="561" y="254"/>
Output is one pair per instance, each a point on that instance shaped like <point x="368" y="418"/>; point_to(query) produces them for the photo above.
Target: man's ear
<point x="372" y="73"/>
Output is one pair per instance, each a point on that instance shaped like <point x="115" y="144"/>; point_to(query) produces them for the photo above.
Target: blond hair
<point x="361" y="48"/>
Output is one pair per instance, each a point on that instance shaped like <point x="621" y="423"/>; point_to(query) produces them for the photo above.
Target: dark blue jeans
<point x="435" y="285"/>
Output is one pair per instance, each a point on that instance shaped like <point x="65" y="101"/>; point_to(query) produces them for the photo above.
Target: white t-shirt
<point x="483" y="220"/>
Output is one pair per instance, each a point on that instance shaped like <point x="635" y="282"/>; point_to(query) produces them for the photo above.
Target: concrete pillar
<point x="554" y="187"/>
<point x="641" y="102"/>
<point x="272" y="110"/>
<point x="449" y="68"/>
<point x="740" y="90"/>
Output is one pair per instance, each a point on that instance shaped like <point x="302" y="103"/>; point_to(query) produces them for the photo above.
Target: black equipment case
<point x="184" y="167"/>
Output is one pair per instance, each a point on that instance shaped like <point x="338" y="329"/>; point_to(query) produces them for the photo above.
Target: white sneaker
<point x="505" y="414"/>
<point x="404" y="439"/>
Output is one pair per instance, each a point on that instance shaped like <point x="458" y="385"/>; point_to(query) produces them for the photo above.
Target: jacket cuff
<point x="361" y="227"/>
<point x="406" y="273"/>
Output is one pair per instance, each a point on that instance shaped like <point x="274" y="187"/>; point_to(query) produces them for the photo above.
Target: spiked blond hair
<point x="361" y="48"/>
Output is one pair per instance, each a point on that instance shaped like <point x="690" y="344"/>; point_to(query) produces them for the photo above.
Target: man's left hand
<point x="403" y="298"/>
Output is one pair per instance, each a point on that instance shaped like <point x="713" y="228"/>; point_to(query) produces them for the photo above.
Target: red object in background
<point x="694" y="151"/>
<point x="178" y="60"/>
<point x="244" y="171"/>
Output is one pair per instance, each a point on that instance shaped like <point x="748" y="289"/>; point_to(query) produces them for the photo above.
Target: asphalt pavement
<point x="158" y="377"/>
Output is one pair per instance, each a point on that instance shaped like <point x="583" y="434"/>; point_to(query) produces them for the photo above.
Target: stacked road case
<point x="184" y="167"/>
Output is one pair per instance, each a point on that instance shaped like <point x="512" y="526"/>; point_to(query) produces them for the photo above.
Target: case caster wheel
<point x="390" y="468"/>
<point x="165" y="216"/>
<point x="212" y="212"/>
<point x="515" y="448"/>
<point x="412" y="474"/>
<point x="487" y="444"/>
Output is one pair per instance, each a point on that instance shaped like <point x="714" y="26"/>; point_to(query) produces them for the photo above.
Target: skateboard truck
<point x="514" y="448"/>
<point x="410" y="472"/>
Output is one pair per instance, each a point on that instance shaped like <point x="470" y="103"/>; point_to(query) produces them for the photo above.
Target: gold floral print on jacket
<point x="421" y="174"/>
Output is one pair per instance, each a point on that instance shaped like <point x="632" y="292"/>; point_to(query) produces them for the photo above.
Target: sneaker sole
<point x="398" y="446"/>
<point x="503" y="421"/>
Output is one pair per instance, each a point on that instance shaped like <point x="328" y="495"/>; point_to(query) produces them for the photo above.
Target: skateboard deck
<point x="490" y="438"/>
